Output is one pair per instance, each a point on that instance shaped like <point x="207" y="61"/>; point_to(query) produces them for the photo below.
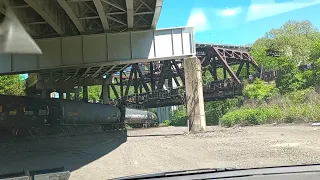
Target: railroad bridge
<point x="162" y="83"/>
<point x="159" y="84"/>
<point x="87" y="42"/>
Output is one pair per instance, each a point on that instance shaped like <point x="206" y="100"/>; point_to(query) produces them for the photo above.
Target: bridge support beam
<point x="44" y="93"/>
<point x="68" y="96"/>
<point x="85" y="93"/>
<point x="194" y="95"/>
<point x="106" y="90"/>
<point x="61" y="95"/>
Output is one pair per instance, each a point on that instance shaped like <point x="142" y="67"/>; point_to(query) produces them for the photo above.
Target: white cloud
<point x="230" y="12"/>
<point x="198" y="20"/>
<point x="260" y="11"/>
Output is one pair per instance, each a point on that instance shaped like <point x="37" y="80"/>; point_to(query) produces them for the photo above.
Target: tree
<point x="12" y="85"/>
<point x="258" y="90"/>
<point x="295" y="40"/>
<point x="315" y="55"/>
<point x="94" y="92"/>
<point x="258" y="52"/>
<point x="289" y="79"/>
<point x="216" y="109"/>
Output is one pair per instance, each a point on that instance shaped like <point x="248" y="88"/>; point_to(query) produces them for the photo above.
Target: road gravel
<point x="110" y="155"/>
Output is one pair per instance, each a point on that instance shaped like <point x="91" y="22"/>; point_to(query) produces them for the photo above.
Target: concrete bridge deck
<point x="103" y="50"/>
<point x="60" y="18"/>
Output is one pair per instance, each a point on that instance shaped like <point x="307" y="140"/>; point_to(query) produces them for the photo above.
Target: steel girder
<point x="53" y="18"/>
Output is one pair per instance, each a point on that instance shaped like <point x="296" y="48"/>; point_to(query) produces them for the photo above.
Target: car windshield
<point x="111" y="88"/>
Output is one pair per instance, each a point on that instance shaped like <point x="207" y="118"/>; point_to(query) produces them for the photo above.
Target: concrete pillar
<point x="60" y="95"/>
<point x="85" y="93"/>
<point x="68" y="96"/>
<point x="44" y="93"/>
<point x="105" y="92"/>
<point x="194" y="95"/>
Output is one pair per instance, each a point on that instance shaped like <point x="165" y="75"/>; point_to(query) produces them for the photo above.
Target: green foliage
<point x="289" y="79"/>
<point x="313" y="76"/>
<point x="206" y="76"/>
<point x="178" y="118"/>
<point x="294" y="39"/>
<point x="166" y="123"/>
<point x="298" y="97"/>
<point x="308" y="77"/>
<point x="12" y="85"/>
<point x="299" y="41"/>
<point x="315" y="52"/>
<point x="216" y="109"/>
<point x="213" y="110"/>
<point x="298" y="106"/>
<point x="250" y="116"/>
<point x="94" y="93"/>
<point x="258" y="52"/>
<point x="259" y="90"/>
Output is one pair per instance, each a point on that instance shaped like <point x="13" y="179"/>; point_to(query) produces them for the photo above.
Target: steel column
<point x="85" y="93"/>
<point x="121" y="84"/>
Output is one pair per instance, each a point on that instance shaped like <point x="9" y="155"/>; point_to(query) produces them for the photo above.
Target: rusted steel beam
<point x="222" y="56"/>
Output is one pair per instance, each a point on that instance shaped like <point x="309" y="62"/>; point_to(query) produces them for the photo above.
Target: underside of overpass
<point x="82" y="41"/>
<point x="60" y="18"/>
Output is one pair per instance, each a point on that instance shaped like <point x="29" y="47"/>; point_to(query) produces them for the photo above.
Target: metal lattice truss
<point x="53" y="18"/>
<point x="218" y="57"/>
<point x="226" y="46"/>
<point x="71" y="74"/>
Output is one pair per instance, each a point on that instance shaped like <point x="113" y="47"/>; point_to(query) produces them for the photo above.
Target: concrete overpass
<point x="60" y="18"/>
<point x="84" y="40"/>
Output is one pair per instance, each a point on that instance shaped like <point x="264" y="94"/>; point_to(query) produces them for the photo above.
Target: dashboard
<point x="298" y="172"/>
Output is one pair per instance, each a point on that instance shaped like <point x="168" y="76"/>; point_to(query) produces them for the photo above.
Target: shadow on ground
<point x="70" y="152"/>
<point x="157" y="135"/>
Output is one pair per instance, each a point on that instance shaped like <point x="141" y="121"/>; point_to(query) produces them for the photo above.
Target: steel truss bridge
<point x="162" y="83"/>
<point x="158" y="84"/>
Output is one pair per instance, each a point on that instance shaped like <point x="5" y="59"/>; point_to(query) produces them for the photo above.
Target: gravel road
<point x="105" y="156"/>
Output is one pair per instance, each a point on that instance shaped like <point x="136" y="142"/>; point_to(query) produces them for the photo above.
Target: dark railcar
<point x="69" y="112"/>
<point x="22" y="114"/>
<point x="136" y="117"/>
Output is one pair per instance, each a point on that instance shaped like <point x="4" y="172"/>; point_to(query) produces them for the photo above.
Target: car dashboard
<point x="298" y="172"/>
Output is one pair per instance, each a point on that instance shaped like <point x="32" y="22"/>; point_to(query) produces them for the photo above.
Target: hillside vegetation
<point x="293" y="97"/>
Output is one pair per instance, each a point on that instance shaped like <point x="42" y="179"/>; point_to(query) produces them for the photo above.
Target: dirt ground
<point x="111" y="155"/>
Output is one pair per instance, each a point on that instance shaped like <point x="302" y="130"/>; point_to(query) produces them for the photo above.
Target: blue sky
<point x="235" y="21"/>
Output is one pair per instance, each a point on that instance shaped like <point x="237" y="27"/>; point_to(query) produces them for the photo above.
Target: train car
<point x="140" y="118"/>
<point x="22" y="115"/>
<point x="68" y="113"/>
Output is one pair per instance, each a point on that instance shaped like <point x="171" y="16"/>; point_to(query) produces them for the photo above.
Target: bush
<point x="216" y="109"/>
<point x="258" y="90"/>
<point x="246" y="116"/>
<point x="166" y="123"/>
<point x="178" y="118"/>
<point x="298" y="106"/>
